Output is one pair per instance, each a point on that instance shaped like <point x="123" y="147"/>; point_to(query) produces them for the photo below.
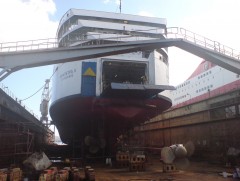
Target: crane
<point x="44" y="103"/>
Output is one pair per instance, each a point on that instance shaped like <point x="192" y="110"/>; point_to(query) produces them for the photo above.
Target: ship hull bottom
<point x="78" y="118"/>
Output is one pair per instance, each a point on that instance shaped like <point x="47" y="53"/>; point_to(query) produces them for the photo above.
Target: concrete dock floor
<point x="195" y="171"/>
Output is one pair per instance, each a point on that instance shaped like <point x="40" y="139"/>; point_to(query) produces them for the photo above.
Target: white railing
<point x="46" y="43"/>
<point x="9" y="93"/>
<point x="173" y="32"/>
<point x="28" y="45"/>
<point x="177" y="32"/>
<point x="53" y="42"/>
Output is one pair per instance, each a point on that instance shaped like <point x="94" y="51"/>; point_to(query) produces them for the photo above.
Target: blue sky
<point x="35" y="19"/>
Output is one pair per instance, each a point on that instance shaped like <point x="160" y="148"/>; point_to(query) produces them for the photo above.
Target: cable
<point x="41" y="86"/>
<point x="33" y="94"/>
<point x="62" y="64"/>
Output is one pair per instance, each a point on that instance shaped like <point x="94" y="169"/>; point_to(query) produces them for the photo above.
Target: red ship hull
<point x="77" y="117"/>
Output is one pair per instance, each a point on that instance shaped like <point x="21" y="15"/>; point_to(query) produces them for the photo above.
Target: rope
<point x="42" y="85"/>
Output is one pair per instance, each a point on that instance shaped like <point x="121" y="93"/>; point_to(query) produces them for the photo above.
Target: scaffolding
<point x="17" y="142"/>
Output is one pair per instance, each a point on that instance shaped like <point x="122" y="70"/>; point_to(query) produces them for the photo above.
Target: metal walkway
<point x="19" y="55"/>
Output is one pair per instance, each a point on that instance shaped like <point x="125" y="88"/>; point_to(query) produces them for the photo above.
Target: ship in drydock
<point x="94" y="100"/>
<point x="208" y="80"/>
<point x="205" y="114"/>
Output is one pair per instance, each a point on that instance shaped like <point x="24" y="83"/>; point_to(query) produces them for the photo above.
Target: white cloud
<point x="145" y="13"/>
<point x="23" y="20"/>
<point x="182" y="65"/>
<point x="106" y="1"/>
<point x="26" y="19"/>
<point x="111" y="1"/>
<point x="118" y="2"/>
<point x="220" y="23"/>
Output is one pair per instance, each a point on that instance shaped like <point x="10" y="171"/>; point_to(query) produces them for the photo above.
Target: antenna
<point x="120" y="6"/>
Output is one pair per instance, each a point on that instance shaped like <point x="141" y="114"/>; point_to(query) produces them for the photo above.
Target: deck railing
<point x="17" y="100"/>
<point x="173" y="32"/>
<point x="28" y="45"/>
<point x="176" y="32"/>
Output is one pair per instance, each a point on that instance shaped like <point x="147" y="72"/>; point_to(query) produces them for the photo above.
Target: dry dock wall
<point x="21" y="133"/>
<point x="212" y="125"/>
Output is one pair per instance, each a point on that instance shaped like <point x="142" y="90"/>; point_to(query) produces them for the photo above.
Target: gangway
<point x="19" y="55"/>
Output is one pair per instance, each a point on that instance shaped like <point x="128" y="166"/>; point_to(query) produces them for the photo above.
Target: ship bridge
<point x="26" y="54"/>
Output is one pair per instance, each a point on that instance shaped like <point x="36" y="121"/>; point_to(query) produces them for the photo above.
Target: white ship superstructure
<point x="93" y="27"/>
<point x="207" y="80"/>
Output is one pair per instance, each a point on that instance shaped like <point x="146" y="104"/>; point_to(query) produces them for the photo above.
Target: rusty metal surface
<point x="20" y="132"/>
<point x="212" y="125"/>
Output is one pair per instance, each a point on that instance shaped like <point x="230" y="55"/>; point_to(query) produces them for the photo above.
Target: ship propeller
<point x="178" y="154"/>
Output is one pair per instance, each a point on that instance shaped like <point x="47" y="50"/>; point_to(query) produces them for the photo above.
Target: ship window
<point x="230" y="111"/>
<point x="196" y="91"/>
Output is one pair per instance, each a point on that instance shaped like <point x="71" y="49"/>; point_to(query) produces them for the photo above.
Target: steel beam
<point x="13" y="61"/>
